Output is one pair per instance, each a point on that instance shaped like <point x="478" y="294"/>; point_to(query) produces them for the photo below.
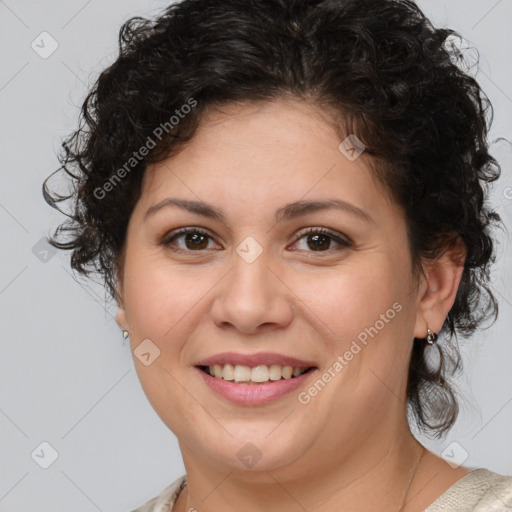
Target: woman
<point x="286" y="199"/>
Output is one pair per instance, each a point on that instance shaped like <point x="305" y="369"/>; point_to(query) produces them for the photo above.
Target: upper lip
<point x="262" y="358"/>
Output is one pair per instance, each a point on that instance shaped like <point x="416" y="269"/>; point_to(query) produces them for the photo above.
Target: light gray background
<point x="67" y="378"/>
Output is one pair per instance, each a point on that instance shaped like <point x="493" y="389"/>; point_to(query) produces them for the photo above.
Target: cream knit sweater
<point x="480" y="490"/>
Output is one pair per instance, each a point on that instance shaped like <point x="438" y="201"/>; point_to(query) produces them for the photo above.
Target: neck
<point x="375" y="476"/>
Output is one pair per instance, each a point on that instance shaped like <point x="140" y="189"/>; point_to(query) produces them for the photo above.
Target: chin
<point x="261" y="450"/>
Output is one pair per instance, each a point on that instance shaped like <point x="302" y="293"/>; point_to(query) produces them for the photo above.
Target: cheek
<point x="163" y="305"/>
<point x="159" y="296"/>
<point x="348" y="301"/>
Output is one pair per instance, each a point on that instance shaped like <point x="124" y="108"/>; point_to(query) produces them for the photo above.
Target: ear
<point x="121" y="319"/>
<point x="121" y="314"/>
<point x="438" y="288"/>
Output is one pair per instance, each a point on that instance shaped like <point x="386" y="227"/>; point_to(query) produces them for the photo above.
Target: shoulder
<point x="164" y="502"/>
<point x="480" y="490"/>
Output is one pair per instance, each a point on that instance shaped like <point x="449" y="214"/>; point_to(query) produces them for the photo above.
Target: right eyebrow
<point x="198" y="207"/>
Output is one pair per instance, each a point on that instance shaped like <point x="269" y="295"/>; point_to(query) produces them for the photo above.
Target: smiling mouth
<point x="261" y="374"/>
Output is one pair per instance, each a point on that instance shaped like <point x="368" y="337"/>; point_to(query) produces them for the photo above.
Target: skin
<point x="350" y="447"/>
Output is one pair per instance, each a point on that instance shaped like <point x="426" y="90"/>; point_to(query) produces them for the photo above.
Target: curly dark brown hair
<point x="380" y="68"/>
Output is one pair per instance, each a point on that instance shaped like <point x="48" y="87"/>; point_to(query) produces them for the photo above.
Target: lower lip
<point x="254" y="394"/>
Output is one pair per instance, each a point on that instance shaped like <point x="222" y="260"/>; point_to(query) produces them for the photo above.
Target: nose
<point x="252" y="298"/>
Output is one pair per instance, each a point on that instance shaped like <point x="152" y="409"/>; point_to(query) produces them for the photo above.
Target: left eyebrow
<point x="298" y="208"/>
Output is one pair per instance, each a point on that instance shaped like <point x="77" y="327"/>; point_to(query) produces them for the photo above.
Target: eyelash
<point x="344" y="242"/>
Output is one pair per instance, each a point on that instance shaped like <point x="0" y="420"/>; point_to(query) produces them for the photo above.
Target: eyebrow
<point x="287" y="212"/>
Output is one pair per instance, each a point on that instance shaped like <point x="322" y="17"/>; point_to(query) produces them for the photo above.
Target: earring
<point x="125" y="334"/>
<point x="431" y="337"/>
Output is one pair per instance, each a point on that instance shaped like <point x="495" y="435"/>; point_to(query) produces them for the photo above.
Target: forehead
<point x="264" y="154"/>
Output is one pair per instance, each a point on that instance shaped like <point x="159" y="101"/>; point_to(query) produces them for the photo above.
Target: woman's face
<point x="253" y="281"/>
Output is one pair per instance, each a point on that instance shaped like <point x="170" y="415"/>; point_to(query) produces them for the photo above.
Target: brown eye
<point x="196" y="241"/>
<point x="321" y="240"/>
<point x="318" y="242"/>
<point x="192" y="239"/>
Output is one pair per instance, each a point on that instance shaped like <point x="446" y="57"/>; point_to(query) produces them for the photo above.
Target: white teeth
<point x="287" y="372"/>
<point x="217" y="369"/>
<point x="242" y="373"/>
<point x="275" y="372"/>
<point x="260" y="373"/>
<point x="228" y="372"/>
<point x="257" y="374"/>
